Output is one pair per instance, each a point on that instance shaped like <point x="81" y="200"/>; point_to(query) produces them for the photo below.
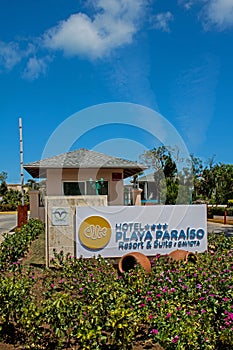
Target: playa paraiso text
<point x="136" y="236"/>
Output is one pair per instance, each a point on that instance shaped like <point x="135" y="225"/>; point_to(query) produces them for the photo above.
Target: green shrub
<point x="209" y="213"/>
<point x="16" y="245"/>
<point x="84" y="303"/>
<point x="14" y="296"/>
<point x="219" y="211"/>
<point x="11" y="206"/>
<point x="7" y="207"/>
<point x="230" y="211"/>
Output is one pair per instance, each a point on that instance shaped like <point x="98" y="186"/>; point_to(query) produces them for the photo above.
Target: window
<point x="81" y="188"/>
<point x="99" y="187"/>
<point x="91" y="190"/>
<point x="74" y="188"/>
<point x="104" y="188"/>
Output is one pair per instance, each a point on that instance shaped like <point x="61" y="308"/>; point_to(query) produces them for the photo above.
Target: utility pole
<point x="21" y="159"/>
<point x="22" y="209"/>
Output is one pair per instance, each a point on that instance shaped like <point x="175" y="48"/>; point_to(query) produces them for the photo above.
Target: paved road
<point x="7" y="222"/>
<point x="214" y="227"/>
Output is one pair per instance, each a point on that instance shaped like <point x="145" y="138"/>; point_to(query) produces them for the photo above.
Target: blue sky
<point x="58" y="57"/>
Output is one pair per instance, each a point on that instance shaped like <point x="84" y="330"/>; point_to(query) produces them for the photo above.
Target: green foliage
<point x="32" y="185"/>
<point x="16" y="245"/>
<point x="210" y="182"/>
<point x="162" y="160"/>
<point x="7" y="207"/>
<point x="14" y="296"/>
<point x="12" y="199"/>
<point x="219" y="211"/>
<point x="84" y="303"/>
<point x="214" y="184"/>
<point x="216" y="210"/>
<point x="3" y="188"/>
<point x="3" y="176"/>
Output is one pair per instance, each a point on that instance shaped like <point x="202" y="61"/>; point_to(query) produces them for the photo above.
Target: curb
<point x="7" y="212"/>
<point x="228" y="222"/>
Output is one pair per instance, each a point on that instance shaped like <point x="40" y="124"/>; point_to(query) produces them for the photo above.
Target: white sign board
<point x="60" y="216"/>
<point x="116" y="230"/>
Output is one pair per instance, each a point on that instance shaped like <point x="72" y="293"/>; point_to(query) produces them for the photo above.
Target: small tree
<point x="3" y="176"/>
<point x="3" y="189"/>
<point x="32" y="185"/>
<point x="3" y="185"/>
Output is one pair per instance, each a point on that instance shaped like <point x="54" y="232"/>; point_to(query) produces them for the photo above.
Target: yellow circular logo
<point x="94" y="232"/>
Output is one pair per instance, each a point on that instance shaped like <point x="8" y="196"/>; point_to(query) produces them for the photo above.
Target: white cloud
<point x="10" y="55"/>
<point x="35" y="67"/>
<point x="13" y="53"/>
<point x="113" y="25"/>
<point x="161" y="21"/>
<point x="219" y="13"/>
<point x="213" y="13"/>
<point x="187" y="3"/>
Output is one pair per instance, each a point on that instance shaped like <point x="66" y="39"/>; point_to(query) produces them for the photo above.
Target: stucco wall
<point x="62" y="237"/>
<point x="56" y="177"/>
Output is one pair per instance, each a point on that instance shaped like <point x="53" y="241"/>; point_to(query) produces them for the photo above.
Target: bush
<point x="7" y="207"/>
<point x="16" y="245"/>
<point x="219" y="211"/>
<point x="230" y="211"/>
<point x="84" y="303"/>
<point x="11" y="206"/>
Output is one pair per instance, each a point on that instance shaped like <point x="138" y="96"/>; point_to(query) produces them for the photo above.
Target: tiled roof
<point x="83" y="158"/>
<point x="147" y="178"/>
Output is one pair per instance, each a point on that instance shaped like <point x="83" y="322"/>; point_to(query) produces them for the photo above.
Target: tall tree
<point x="215" y="183"/>
<point x="165" y="172"/>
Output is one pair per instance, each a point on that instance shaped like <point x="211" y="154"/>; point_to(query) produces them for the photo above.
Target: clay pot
<point x="130" y="260"/>
<point x="180" y="254"/>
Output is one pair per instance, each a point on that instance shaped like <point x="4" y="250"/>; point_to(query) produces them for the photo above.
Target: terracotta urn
<point x="185" y="255"/>
<point x="130" y="260"/>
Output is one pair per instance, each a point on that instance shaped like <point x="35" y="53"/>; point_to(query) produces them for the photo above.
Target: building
<point x="17" y="187"/>
<point x="85" y="173"/>
<point x="150" y="190"/>
<point x="73" y="179"/>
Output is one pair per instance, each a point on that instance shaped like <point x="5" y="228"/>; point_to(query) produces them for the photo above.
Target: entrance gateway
<point x="113" y="231"/>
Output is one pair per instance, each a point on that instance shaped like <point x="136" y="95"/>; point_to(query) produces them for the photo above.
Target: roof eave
<point x="40" y="172"/>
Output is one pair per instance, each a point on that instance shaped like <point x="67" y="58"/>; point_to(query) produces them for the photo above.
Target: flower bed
<point x="85" y="304"/>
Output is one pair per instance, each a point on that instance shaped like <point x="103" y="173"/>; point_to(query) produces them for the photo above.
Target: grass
<point x="36" y="254"/>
